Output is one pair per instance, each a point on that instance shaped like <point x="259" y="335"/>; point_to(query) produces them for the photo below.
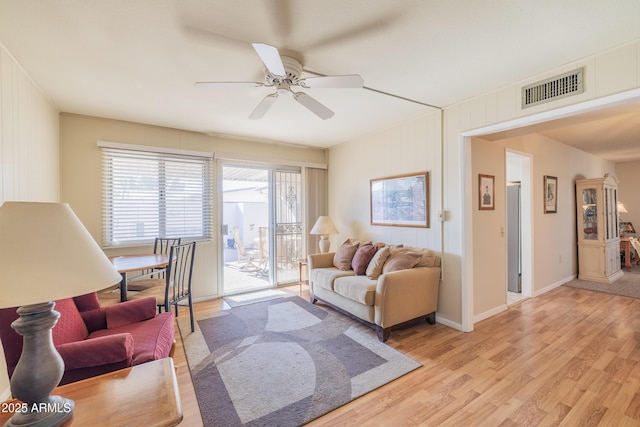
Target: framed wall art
<point x="401" y="200"/>
<point x="486" y="192"/>
<point x="550" y="194"/>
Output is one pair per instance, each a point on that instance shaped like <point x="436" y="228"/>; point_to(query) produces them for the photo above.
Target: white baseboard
<point x="489" y="313"/>
<point x="447" y="322"/>
<point x="554" y="285"/>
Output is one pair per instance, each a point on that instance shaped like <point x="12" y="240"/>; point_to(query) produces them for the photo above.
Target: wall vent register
<point x="557" y="87"/>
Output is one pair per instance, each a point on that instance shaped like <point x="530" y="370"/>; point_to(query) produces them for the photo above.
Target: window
<point x="149" y="194"/>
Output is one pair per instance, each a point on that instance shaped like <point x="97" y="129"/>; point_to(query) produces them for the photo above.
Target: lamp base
<point x="324" y="244"/>
<point x="55" y="411"/>
<point x="38" y="371"/>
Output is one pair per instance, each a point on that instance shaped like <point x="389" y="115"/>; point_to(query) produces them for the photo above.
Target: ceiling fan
<point x="284" y="73"/>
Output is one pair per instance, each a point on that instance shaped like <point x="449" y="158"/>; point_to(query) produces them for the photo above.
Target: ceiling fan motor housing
<point x="292" y="67"/>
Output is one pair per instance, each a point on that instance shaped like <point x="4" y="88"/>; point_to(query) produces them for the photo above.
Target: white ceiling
<point x="137" y="60"/>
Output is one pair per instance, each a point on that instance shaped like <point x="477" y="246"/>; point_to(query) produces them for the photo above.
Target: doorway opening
<point x="519" y="226"/>
<point x="261" y="227"/>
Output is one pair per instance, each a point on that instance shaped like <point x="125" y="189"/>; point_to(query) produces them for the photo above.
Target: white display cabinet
<point x="598" y="232"/>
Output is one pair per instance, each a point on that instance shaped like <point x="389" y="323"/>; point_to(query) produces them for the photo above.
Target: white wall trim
<point x="447" y="322"/>
<point x="466" y="236"/>
<point x="554" y="285"/>
<point x="489" y="313"/>
<point x="152" y="149"/>
<point x="270" y="161"/>
<point x="558" y="113"/>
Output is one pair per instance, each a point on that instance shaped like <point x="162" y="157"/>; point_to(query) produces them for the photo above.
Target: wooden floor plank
<point x="567" y="357"/>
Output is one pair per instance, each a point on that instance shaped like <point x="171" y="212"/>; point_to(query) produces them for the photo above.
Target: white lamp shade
<point x="324" y="226"/>
<point x="621" y="208"/>
<point x="47" y="254"/>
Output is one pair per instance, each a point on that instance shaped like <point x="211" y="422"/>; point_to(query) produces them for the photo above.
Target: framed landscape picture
<point x="401" y="200"/>
<point x="550" y="194"/>
<point x="486" y="192"/>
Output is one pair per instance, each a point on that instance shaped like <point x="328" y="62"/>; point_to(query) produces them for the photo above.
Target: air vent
<point x="557" y="87"/>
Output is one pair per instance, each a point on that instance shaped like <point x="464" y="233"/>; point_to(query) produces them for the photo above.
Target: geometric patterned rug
<point x="283" y="362"/>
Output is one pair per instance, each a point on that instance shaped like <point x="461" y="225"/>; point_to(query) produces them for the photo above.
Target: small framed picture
<point x="550" y="194"/>
<point x="486" y="192"/>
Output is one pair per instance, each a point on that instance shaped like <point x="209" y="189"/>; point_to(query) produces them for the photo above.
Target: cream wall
<point x="489" y="228"/>
<point x="81" y="175"/>
<point x="396" y="151"/>
<point x="629" y="175"/>
<point x="29" y="152"/>
<point x="410" y="147"/>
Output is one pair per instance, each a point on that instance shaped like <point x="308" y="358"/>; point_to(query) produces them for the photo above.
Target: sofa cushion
<point x="374" y="269"/>
<point x="324" y="277"/>
<point x="70" y="326"/>
<point x="152" y="338"/>
<point x="401" y="259"/>
<point x="357" y="288"/>
<point x="429" y="257"/>
<point x="344" y="255"/>
<point x="362" y="258"/>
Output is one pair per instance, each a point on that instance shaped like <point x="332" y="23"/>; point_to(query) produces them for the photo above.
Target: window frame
<point x="190" y="160"/>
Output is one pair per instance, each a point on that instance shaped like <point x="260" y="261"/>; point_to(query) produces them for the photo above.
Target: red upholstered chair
<point x="94" y="340"/>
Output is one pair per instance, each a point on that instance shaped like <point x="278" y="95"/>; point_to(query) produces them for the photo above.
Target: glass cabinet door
<point x="590" y="214"/>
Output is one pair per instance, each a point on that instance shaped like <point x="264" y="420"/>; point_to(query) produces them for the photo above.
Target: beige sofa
<point x="385" y="301"/>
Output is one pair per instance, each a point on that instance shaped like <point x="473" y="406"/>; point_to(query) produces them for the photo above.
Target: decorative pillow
<point x="344" y="255"/>
<point x="375" y="265"/>
<point x="362" y="257"/>
<point x="401" y="259"/>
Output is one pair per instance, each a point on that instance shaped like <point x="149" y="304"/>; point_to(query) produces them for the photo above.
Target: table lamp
<point x="324" y="226"/>
<point x="46" y="254"/>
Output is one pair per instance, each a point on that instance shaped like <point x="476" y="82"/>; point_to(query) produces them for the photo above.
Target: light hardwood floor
<point x="568" y="357"/>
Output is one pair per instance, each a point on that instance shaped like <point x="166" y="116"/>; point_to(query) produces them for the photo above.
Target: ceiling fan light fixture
<point x="283" y="72"/>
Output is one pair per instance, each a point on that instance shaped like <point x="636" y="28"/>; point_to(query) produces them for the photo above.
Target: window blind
<point x="151" y="194"/>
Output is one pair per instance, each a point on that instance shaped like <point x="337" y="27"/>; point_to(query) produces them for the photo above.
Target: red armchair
<point x="93" y="340"/>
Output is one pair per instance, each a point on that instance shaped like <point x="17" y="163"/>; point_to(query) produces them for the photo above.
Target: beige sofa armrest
<point x="320" y="260"/>
<point x="406" y="294"/>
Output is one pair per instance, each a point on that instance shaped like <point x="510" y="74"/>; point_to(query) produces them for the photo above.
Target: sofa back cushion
<point x="429" y="257"/>
<point x="344" y="255"/>
<point x="374" y="269"/>
<point x="70" y="326"/>
<point x="362" y="258"/>
<point x="401" y="259"/>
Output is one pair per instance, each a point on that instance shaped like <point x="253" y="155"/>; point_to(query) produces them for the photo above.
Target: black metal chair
<point x="177" y="281"/>
<point x="162" y="246"/>
<point x="145" y="279"/>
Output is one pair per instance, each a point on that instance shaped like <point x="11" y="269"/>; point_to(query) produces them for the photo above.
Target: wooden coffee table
<point x="143" y="395"/>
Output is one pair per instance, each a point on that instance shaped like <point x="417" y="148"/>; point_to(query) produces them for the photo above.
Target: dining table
<point x="126" y="264"/>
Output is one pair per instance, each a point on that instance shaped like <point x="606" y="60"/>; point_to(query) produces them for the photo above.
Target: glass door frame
<point x="272" y="170"/>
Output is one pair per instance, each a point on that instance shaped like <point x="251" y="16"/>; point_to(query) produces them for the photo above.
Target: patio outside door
<point x="261" y="227"/>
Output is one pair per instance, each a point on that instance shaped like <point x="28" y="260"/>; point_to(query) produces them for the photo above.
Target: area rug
<point x="254" y="297"/>
<point x="628" y="285"/>
<point x="283" y="363"/>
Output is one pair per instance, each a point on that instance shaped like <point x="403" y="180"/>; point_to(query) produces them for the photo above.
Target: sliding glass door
<point x="261" y="227"/>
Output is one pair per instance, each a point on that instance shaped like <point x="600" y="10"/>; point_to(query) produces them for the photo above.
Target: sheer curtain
<point x="316" y="183"/>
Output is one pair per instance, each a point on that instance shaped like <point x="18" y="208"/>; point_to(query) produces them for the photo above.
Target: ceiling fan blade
<point x="347" y="81"/>
<point x="228" y="84"/>
<point x="271" y="58"/>
<point x="263" y="107"/>
<point x="314" y="106"/>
